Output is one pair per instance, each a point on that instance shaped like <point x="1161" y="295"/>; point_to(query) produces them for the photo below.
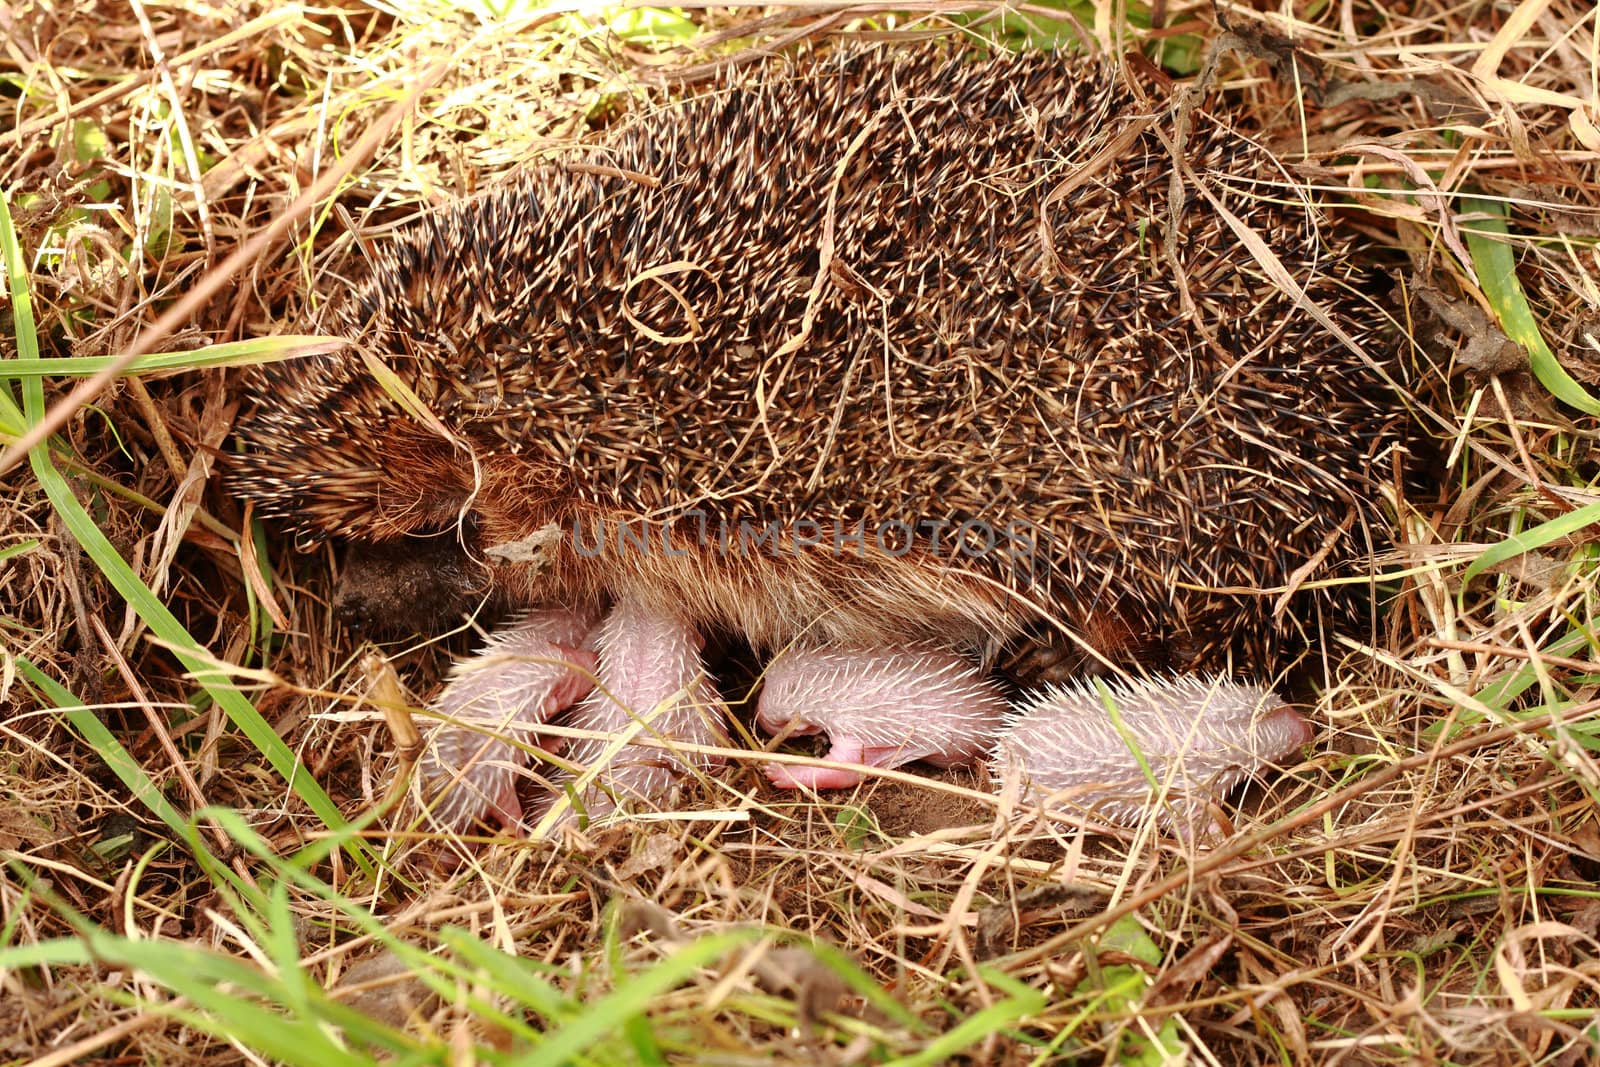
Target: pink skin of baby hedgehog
<point x="523" y="677"/>
<point x="1199" y="737"/>
<point x="879" y="707"/>
<point x="654" y="685"/>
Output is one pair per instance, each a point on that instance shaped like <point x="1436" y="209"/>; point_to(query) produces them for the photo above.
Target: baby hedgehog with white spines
<point x="489" y="713"/>
<point x="1116" y="750"/>
<point x="653" y="684"/>
<point x="878" y="707"/>
<point x="1181" y="745"/>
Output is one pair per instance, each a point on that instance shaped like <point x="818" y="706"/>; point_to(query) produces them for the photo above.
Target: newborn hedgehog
<point x="879" y="708"/>
<point x="527" y="673"/>
<point x="1231" y="727"/>
<point x="860" y="353"/>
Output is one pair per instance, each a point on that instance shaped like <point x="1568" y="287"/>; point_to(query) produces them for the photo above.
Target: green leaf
<point x="857" y="825"/>
<point x="1516" y="544"/>
<point x="1496" y="265"/>
<point x="227" y="354"/>
<point x="89" y="141"/>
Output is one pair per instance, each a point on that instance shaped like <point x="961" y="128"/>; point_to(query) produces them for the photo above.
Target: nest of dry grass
<point x="1419" y="889"/>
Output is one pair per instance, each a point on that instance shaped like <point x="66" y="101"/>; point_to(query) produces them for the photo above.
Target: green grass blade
<point x="119" y="759"/>
<point x="227" y="354"/>
<point x="1019" y="1005"/>
<point x="1516" y="544"/>
<point x="21" y="548"/>
<point x="1496" y="264"/>
<point x="235" y="1000"/>
<point x="633" y="997"/>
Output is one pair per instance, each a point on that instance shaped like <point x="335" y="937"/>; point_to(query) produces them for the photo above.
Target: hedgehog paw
<point x="845" y="750"/>
<point x="803" y="776"/>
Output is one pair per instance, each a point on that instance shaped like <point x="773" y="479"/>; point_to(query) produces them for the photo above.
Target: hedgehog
<point x="879" y="349"/>
<point x="881" y="708"/>
<point x="489" y="711"/>
<point x="652" y="684"/>
<point x="1171" y="745"/>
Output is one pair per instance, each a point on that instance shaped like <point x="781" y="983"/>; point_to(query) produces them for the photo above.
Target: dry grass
<point x="1420" y="889"/>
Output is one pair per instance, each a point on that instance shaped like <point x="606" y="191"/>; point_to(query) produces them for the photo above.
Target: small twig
<point x="1587" y="666"/>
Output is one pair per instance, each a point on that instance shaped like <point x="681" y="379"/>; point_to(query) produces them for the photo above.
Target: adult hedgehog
<point x="872" y="354"/>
